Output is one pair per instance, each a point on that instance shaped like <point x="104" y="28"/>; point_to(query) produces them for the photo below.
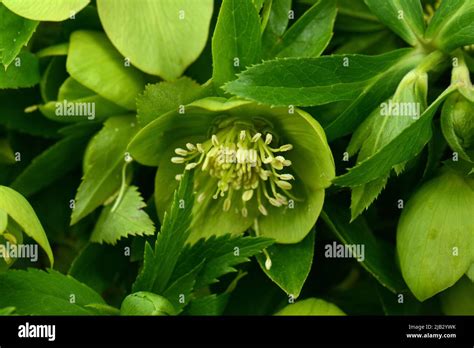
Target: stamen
<point x="181" y="152"/>
<point x="268" y="138"/>
<point x="247" y="195"/>
<point x="177" y="160"/>
<point x="241" y="161"/>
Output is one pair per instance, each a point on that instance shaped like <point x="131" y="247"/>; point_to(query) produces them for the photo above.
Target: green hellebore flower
<point x="253" y="166"/>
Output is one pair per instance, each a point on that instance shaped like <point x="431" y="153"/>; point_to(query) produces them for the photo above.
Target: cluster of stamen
<point x="244" y="163"/>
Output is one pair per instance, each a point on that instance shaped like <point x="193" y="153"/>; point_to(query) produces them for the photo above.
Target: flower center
<point x="244" y="162"/>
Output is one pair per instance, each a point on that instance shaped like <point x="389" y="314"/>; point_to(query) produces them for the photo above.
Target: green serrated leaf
<point x="222" y="254"/>
<point x="95" y="63"/>
<point x="236" y="43"/>
<point x="179" y="292"/>
<point x="399" y="150"/>
<point x="382" y="126"/>
<point x="314" y="81"/>
<point x="22" y="73"/>
<point x="290" y="264"/>
<point x="46" y="10"/>
<point x="404" y="17"/>
<point x="311" y="306"/>
<point x="310" y="35"/>
<point x="51" y="290"/>
<point x="363" y="196"/>
<point x="160" y="263"/>
<point x="18" y="208"/>
<point x="123" y="220"/>
<point x="104" y="159"/>
<point x="16" y="32"/>
<point x="165" y="96"/>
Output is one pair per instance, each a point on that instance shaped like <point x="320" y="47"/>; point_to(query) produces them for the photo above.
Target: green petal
<point x="435" y="234"/>
<point x="290" y="225"/>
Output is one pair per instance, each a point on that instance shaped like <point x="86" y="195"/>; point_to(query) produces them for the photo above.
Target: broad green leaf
<point x="381" y="127"/>
<point x="53" y="164"/>
<point x="165" y="96"/>
<point x="459" y="299"/>
<point x="46" y="10"/>
<point x="379" y="261"/>
<point x="310" y="35"/>
<point x="146" y="303"/>
<point x="179" y="32"/>
<point x="435" y="234"/>
<point x="123" y="220"/>
<point x="104" y="159"/>
<point x="236" y="43"/>
<point x="311" y="306"/>
<point x="94" y="62"/>
<point x="313" y="81"/>
<point x="100" y="266"/>
<point x="222" y="254"/>
<point x="290" y="264"/>
<point x="452" y="25"/>
<point x="77" y="103"/>
<point x="22" y="72"/>
<point x="72" y="90"/>
<point x="18" y="208"/>
<point x="160" y="263"/>
<point x="84" y="109"/>
<point x="377" y="90"/>
<point x="16" y="32"/>
<point x="50" y="290"/>
<point x="404" y="147"/>
<point x="404" y="17"/>
<point x="276" y="25"/>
